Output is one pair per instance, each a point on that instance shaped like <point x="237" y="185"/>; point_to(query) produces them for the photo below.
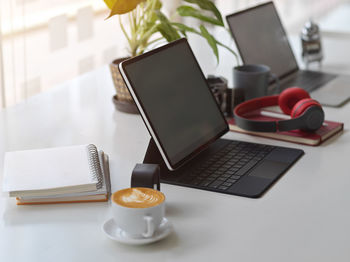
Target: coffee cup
<point x="252" y="81"/>
<point x="138" y="211"/>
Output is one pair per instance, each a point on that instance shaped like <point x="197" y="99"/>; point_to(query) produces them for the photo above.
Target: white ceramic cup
<point x="140" y="221"/>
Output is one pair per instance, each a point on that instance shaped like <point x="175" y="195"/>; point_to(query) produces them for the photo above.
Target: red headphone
<point x="306" y="113"/>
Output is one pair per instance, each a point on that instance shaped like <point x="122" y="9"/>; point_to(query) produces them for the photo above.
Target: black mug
<point x="252" y="81"/>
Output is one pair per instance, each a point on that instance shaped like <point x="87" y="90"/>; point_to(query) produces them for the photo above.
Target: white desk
<point x="305" y="216"/>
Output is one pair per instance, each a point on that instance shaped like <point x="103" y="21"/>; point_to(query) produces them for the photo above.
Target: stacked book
<point x="57" y="175"/>
<point x="327" y="130"/>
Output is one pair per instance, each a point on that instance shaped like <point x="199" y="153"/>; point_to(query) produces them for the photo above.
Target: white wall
<point x="2" y="82"/>
<point x="293" y="13"/>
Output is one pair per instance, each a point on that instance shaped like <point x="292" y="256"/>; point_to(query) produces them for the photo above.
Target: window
<point x="44" y="43"/>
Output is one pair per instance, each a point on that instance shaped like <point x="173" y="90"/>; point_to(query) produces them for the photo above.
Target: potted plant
<point x="148" y="26"/>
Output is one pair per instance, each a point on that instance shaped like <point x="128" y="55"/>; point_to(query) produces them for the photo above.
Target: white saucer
<point x="117" y="234"/>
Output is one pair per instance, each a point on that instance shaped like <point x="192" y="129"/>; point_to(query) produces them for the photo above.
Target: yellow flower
<point x="119" y="7"/>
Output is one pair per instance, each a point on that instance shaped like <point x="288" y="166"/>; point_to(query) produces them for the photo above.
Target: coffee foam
<point x="138" y="197"/>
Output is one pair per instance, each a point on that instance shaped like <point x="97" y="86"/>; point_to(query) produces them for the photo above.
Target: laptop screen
<point x="176" y="102"/>
<point x="261" y="39"/>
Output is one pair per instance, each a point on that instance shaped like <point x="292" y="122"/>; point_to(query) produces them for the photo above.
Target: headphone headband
<point x="255" y="104"/>
<point x="264" y="126"/>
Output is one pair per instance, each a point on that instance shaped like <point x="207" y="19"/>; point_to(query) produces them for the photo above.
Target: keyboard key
<point x="213" y="176"/>
<point x="231" y="180"/>
<point x="216" y="184"/>
<point x="246" y="168"/>
<point x="227" y="184"/>
<point x="205" y="183"/>
<point x="223" y="188"/>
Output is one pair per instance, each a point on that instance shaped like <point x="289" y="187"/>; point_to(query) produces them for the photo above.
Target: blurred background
<point x="44" y="43"/>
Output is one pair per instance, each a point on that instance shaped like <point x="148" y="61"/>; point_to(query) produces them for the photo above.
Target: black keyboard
<point x="223" y="169"/>
<point x="309" y="80"/>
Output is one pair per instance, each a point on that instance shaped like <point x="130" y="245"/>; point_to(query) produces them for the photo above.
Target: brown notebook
<point x="328" y="129"/>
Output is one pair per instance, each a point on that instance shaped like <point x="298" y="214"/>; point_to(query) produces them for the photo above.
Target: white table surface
<point x="305" y="216"/>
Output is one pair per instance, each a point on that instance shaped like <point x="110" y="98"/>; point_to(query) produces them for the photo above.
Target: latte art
<point x="138" y="197"/>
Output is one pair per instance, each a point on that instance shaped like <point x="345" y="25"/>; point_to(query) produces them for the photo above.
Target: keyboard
<point x="308" y="80"/>
<point x="220" y="171"/>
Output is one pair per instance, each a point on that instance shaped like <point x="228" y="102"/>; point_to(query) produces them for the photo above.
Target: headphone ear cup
<point x="291" y="96"/>
<point x="300" y="107"/>
<point x="311" y="113"/>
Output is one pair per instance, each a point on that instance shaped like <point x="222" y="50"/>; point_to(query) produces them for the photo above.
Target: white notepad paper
<point x="51" y="171"/>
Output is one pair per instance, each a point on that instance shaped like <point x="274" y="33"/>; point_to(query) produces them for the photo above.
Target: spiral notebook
<point x="62" y="174"/>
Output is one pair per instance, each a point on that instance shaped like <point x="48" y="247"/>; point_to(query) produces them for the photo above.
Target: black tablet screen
<point x="176" y="99"/>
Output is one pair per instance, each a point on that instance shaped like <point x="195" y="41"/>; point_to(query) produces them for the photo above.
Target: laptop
<point x="261" y="39"/>
<point x="186" y="126"/>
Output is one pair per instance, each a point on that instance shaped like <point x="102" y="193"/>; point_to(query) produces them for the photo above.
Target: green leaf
<point x="211" y="41"/>
<point x="207" y="5"/>
<point x="158" y="5"/>
<point x="151" y="6"/>
<point x="146" y="35"/>
<point x="204" y="33"/>
<point x="185" y="28"/>
<point x="192" y="12"/>
<point x="166" y="28"/>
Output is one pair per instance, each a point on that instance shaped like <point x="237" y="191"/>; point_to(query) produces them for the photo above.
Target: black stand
<point x="153" y="156"/>
<point x="146" y="175"/>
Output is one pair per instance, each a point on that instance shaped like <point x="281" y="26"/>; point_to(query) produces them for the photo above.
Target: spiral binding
<point x="94" y="163"/>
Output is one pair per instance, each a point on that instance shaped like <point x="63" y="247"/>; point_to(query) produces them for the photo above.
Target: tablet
<point x="175" y="101"/>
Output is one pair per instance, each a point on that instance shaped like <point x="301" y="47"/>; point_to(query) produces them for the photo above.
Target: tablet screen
<point x="175" y="101"/>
